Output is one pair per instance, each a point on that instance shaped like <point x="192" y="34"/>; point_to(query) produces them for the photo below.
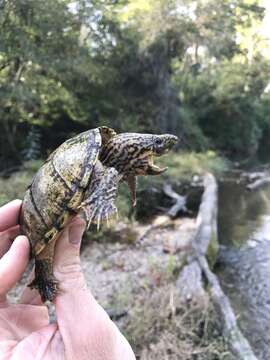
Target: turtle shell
<point x="59" y="186"/>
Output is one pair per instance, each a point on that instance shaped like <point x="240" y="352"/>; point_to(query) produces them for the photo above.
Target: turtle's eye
<point x="158" y="141"/>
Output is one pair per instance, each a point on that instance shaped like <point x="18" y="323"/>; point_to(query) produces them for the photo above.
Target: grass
<point x="159" y="327"/>
<point x="15" y="186"/>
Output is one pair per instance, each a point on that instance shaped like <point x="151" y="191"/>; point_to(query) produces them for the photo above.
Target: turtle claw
<point x="47" y="288"/>
<point x="91" y="218"/>
<point x="98" y="214"/>
<point x="88" y="214"/>
<point x="44" y="281"/>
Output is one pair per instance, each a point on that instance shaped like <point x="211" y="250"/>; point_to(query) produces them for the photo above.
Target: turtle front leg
<point x="99" y="202"/>
<point x="44" y="281"/>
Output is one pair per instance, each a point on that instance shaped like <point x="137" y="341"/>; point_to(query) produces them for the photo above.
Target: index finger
<point x="9" y="214"/>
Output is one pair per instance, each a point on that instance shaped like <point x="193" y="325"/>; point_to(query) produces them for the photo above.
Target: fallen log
<point x="190" y="281"/>
<point x="236" y="340"/>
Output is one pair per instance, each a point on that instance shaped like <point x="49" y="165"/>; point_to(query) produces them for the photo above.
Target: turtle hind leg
<point x="44" y="280"/>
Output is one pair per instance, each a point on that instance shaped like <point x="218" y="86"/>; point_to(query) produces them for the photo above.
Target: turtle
<point x="81" y="177"/>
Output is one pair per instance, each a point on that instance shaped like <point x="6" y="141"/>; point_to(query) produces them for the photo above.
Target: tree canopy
<point x="199" y="69"/>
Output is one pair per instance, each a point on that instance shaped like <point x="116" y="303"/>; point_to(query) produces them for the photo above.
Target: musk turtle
<point x="82" y="176"/>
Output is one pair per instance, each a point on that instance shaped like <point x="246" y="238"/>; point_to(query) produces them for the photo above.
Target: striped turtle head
<point x="133" y="154"/>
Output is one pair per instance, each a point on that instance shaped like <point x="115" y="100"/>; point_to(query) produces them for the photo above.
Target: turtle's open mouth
<point x="156" y="170"/>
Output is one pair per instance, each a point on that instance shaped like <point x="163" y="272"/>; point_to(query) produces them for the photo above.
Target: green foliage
<point x="228" y="98"/>
<point x="196" y="69"/>
<point x="185" y="164"/>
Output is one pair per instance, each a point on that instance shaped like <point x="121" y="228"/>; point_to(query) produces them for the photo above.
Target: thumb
<point x="67" y="268"/>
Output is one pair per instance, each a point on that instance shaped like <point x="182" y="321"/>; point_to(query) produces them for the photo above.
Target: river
<point x="244" y="263"/>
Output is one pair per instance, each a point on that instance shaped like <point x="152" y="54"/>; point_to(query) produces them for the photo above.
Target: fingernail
<point x="75" y="234"/>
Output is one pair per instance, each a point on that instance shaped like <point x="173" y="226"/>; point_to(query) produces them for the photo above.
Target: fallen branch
<point x="180" y="201"/>
<point x="259" y="183"/>
<point x="257" y="179"/>
<point x="252" y="176"/>
<point x="162" y="220"/>
<point x="190" y="280"/>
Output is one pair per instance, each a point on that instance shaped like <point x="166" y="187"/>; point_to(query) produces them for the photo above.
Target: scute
<point x="65" y="176"/>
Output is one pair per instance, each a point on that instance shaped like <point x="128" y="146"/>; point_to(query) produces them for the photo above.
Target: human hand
<point x="83" y="329"/>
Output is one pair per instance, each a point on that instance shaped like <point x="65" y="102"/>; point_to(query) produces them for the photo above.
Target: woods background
<point x="198" y="69"/>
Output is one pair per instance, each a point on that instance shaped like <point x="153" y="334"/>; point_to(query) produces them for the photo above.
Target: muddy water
<point x="244" y="270"/>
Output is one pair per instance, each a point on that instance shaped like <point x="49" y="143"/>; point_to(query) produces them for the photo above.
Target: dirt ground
<point x="113" y="269"/>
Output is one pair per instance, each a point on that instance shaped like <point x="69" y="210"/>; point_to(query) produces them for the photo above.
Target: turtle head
<point x="133" y="154"/>
<point x="152" y="146"/>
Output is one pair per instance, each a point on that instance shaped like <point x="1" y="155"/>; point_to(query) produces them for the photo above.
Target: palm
<point x="27" y="330"/>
